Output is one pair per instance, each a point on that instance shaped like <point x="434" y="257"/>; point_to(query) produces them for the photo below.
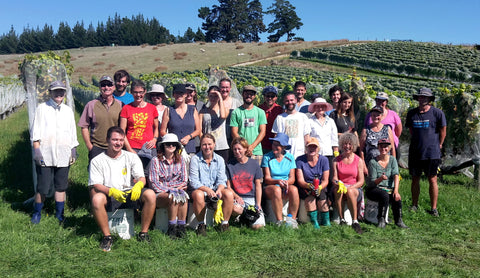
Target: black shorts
<point x="51" y="176"/>
<point x="304" y="193"/>
<point x="427" y="166"/>
<point x="113" y="204"/>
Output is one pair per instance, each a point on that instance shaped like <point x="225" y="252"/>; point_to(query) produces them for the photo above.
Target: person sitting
<point x="349" y="178"/>
<point x="168" y="178"/>
<point x="312" y="174"/>
<point x="110" y="183"/>
<point x="245" y="178"/>
<point x="279" y="176"/>
<point x="383" y="184"/>
<point x="208" y="182"/>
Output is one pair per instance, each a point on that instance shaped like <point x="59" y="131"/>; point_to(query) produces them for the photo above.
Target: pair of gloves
<point x="121" y="196"/>
<point x="315" y="192"/>
<point x="38" y="156"/>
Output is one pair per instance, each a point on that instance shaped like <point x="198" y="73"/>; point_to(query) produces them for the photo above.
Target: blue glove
<point x="38" y="157"/>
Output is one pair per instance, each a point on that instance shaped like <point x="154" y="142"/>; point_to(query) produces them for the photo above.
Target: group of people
<point x="232" y="154"/>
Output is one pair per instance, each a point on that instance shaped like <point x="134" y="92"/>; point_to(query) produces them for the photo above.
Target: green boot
<point x="314" y="219"/>
<point x="325" y="218"/>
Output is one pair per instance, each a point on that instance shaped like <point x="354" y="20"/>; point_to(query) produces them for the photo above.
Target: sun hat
<point x="57" y="85"/>
<point x="312" y="141"/>
<point x="249" y="88"/>
<point x="378" y="109"/>
<point x="157" y="89"/>
<point x="281" y="138"/>
<point x="270" y="89"/>
<point x="382" y="96"/>
<point x="106" y="78"/>
<point x="426" y="92"/>
<point x="170" y="138"/>
<point x="319" y="102"/>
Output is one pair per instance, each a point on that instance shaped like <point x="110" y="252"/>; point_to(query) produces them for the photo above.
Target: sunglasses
<point x="170" y="144"/>
<point x="106" y="85"/>
<point x="270" y="96"/>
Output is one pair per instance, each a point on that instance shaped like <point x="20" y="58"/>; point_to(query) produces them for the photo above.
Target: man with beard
<point x="98" y="116"/>
<point x="272" y="110"/>
<point x="122" y="79"/>
<point x="293" y="123"/>
<point x="249" y="122"/>
<point x="428" y="128"/>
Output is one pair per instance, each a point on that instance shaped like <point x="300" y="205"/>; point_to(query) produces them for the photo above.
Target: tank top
<point x="371" y="142"/>
<point x="183" y="127"/>
<point x="348" y="172"/>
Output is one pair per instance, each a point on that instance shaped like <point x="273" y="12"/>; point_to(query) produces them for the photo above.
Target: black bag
<point x="250" y="215"/>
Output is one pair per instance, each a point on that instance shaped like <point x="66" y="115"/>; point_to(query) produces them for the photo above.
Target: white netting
<point x="12" y="95"/>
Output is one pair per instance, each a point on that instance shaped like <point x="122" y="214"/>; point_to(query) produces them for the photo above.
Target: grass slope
<point x="446" y="246"/>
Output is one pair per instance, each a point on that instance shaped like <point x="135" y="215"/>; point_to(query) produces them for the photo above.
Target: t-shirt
<point x="302" y="107"/>
<point x="310" y="172"/>
<point x="296" y="126"/>
<point x="127" y="98"/>
<point x="279" y="170"/>
<point x="375" y="171"/>
<point x="243" y="176"/>
<point x="115" y="172"/>
<point x="213" y="124"/>
<point x="344" y="124"/>
<point x="392" y="119"/>
<point x="425" y="141"/>
<point x="348" y="173"/>
<point x="248" y="123"/>
<point x="326" y="134"/>
<point x="139" y="123"/>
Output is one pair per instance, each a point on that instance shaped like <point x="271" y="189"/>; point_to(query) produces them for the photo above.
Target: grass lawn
<point x="432" y="247"/>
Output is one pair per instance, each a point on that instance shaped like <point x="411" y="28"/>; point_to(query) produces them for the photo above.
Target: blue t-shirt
<point x="310" y="172"/>
<point x="243" y="176"/>
<point x="279" y="170"/>
<point x="425" y="140"/>
<point x="125" y="99"/>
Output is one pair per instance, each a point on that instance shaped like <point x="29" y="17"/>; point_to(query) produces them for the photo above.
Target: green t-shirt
<point x="248" y="123"/>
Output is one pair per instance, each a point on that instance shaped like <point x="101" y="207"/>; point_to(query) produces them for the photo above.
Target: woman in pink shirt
<point x="349" y="179"/>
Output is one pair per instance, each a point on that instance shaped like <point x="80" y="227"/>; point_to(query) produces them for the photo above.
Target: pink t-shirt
<point x="392" y="119"/>
<point x="347" y="173"/>
<point x="139" y="123"/>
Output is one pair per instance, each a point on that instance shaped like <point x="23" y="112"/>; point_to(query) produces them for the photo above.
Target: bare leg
<point x="274" y="193"/>
<point x="293" y="201"/>
<point x="199" y="205"/>
<point x="227" y="207"/>
<point x="415" y="190"/>
<point x="99" y="200"/>
<point x="149" y="203"/>
<point x="433" y="190"/>
<point x="352" y="194"/>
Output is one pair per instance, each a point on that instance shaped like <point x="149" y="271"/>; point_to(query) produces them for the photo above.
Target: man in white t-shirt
<point x="293" y="123"/>
<point x="110" y="183"/>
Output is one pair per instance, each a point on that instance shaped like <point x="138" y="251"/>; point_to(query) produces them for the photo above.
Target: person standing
<point x="229" y="102"/>
<point x="54" y="138"/>
<point x="157" y="96"/>
<point x="191" y="98"/>
<point x="111" y="176"/>
<point x="300" y="89"/>
<point x="428" y="128"/>
<point x="294" y="124"/>
<point x="122" y="80"/>
<point x="272" y="110"/>
<point x="334" y="93"/>
<point x="249" y="122"/>
<point x="98" y="116"/>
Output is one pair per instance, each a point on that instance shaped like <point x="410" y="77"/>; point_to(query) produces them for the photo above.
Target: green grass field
<point x="432" y="247"/>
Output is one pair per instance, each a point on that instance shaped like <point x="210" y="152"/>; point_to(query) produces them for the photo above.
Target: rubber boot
<point x="397" y="215"/>
<point x="37" y="213"/>
<point x="314" y="219"/>
<point x="382" y="211"/>
<point x="325" y="216"/>
<point x="59" y="208"/>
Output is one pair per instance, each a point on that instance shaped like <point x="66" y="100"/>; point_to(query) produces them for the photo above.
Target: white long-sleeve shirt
<point x="54" y="127"/>
<point x="326" y="134"/>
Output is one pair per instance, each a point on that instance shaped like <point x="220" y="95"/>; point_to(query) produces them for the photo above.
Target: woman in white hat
<point x="157" y="96"/>
<point x="168" y="178"/>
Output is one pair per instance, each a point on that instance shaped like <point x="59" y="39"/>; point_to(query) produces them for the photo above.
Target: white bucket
<point x="121" y="222"/>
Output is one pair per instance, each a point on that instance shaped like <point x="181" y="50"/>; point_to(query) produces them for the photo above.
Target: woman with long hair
<point x="344" y="116"/>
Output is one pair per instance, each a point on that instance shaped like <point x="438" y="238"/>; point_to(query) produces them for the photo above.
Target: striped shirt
<point x="165" y="176"/>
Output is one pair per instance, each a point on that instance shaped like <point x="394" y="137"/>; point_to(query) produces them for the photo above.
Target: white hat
<point x="157" y="88"/>
<point x="319" y="102"/>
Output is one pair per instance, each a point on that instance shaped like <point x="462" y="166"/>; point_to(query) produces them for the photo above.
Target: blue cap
<point x="282" y="138"/>
<point x="270" y="89"/>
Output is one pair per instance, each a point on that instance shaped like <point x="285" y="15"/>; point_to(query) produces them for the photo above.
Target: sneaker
<point x="343" y="222"/>
<point x="434" y="212"/>
<point x="402" y="225"/>
<point x="143" y="237"/>
<point x="294" y="224"/>
<point x="172" y="231"/>
<point x="36" y="217"/>
<point x="224" y="227"/>
<point x="201" y="230"/>
<point x="106" y="243"/>
<point x="357" y="228"/>
<point x="414" y="208"/>
<point x="181" y="233"/>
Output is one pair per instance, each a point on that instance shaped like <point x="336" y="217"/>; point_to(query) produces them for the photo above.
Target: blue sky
<point x="421" y="20"/>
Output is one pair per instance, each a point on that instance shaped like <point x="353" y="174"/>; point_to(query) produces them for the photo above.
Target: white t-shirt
<point x="296" y="126"/>
<point x="115" y="172"/>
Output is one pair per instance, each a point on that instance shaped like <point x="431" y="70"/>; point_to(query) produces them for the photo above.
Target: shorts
<point x="113" y="204"/>
<point x="427" y="166"/>
<point x="304" y="193"/>
<point x="48" y="176"/>
<point x="251" y="202"/>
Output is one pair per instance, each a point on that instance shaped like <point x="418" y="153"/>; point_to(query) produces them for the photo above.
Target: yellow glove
<point x="218" y="216"/>
<point x="117" y="194"/>
<point x="136" y="190"/>
<point x="336" y="153"/>
<point x="341" y="188"/>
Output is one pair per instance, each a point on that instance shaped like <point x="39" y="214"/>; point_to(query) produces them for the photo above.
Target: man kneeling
<point x="110" y="185"/>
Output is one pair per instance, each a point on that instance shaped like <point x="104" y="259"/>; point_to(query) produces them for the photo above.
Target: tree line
<point x="231" y="20"/>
